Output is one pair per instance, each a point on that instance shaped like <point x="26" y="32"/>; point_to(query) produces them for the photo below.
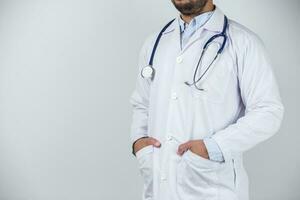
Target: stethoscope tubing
<point x="157" y="42"/>
<point x="205" y="47"/>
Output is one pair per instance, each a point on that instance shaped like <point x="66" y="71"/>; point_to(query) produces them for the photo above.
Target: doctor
<point x="205" y="94"/>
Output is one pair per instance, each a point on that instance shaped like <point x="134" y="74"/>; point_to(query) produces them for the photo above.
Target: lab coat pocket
<point x="214" y="85"/>
<point x="200" y="178"/>
<point x="227" y="179"/>
<point x="145" y="160"/>
<point x="203" y="163"/>
<point x="197" y="177"/>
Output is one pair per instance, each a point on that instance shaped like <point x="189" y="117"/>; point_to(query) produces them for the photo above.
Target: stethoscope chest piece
<point x="147" y="72"/>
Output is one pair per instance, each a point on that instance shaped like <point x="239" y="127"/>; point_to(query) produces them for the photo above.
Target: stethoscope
<point x="149" y="72"/>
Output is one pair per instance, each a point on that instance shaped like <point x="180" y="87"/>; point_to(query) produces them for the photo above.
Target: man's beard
<point x="190" y="7"/>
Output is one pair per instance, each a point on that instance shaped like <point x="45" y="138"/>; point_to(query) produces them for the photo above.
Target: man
<point x="188" y="134"/>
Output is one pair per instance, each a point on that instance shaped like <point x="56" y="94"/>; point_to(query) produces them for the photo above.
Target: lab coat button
<point x="174" y="95"/>
<point x="163" y="178"/>
<point x="179" y="59"/>
<point x="169" y="137"/>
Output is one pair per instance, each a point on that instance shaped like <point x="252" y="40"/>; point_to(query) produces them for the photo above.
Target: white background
<point x="67" y="69"/>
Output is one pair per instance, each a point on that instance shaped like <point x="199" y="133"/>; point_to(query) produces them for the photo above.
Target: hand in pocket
<point x="196" y="146"/>
<point x="143" y="142"/>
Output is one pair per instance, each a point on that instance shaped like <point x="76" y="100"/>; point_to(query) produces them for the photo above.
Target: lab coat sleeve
<point x="261" y="98"/>
<point x="140" y="97"/>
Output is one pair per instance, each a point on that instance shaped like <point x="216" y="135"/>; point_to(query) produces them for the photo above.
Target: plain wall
<point x="67" y="69"/>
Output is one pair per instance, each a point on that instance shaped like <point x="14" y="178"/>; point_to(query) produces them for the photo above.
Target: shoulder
<point x="147" y="46"/>
<point x="149" y="41"/>
<point x="242" y="37"/>
<point x="248" y="47"/>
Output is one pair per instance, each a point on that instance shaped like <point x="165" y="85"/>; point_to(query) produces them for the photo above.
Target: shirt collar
<point x="196" y="22"/>
<point x="215" y="22"/>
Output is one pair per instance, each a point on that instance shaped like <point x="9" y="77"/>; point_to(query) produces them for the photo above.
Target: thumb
<point x="154" y="142"/>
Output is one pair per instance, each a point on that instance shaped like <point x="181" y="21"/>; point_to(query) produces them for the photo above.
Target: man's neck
<point x="207" y="8"/>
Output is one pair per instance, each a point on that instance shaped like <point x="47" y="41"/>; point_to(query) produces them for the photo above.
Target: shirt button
<point x="179" y="59"/>
<point x="174" y="96"/>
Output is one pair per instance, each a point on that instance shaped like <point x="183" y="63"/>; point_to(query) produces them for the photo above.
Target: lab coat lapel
<point x="175" y="41"/>
<point x="214" y="25"/>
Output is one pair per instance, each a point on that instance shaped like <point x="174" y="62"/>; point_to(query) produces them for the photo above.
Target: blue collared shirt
<point x="188" y="29"/>
<point x="186" y="32"/>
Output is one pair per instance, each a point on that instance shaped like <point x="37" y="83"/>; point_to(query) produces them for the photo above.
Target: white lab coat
<point x="240" y="107"/>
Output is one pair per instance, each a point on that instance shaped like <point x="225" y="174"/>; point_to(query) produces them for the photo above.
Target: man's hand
<point x="196" y="146"/>
<point x="143" y="142"/>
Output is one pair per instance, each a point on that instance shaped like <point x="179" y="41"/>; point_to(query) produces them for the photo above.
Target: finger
<point x="153" y="141"/>
<point x="183" y="148"/>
